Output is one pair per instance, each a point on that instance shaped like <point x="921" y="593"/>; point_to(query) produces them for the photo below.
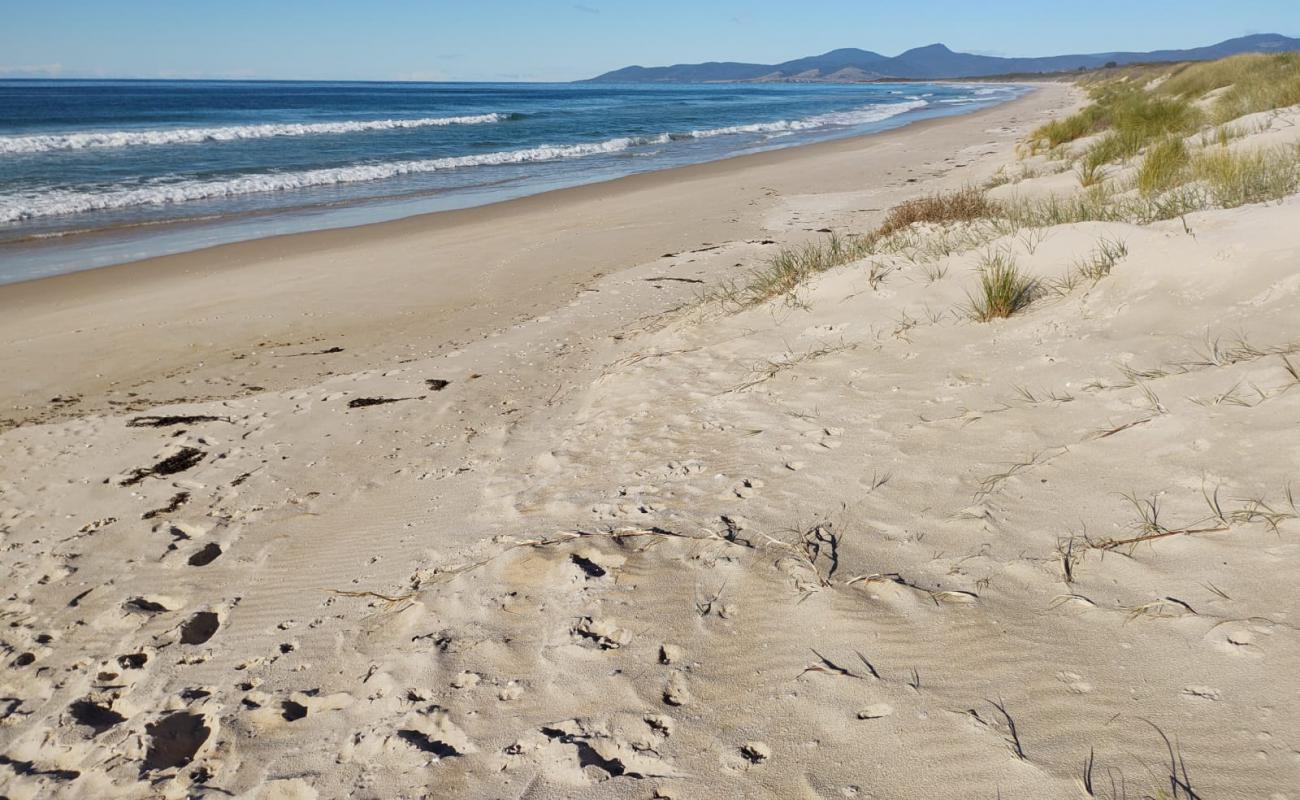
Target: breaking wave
<point x="16" y="207"/>
<point x="45" y="143"/>
<point x="861" y="116"/>
<point x="172" y="190"/>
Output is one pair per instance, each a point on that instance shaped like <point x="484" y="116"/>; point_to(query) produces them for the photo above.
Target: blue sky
<point x="544" y="40"/>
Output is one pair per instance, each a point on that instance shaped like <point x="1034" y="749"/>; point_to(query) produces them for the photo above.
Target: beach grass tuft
<point x="790" y="268"/>
<point x="1004" y="288"/>
<point x="1164" y="167"/>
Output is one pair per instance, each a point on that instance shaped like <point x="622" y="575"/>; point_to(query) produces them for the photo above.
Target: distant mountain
<point x="935" y="61"/>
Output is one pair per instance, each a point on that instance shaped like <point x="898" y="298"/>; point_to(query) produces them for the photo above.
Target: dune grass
<point x="963" y="205"/>
<point x="1130" y="114"/>
<point x="1153" y="112"/>
<point x="1164" y="167"/>
<point x="1004" y="288"/>
<point x="1250" y="83"/>
<point x="1235" y="178"/>
<point x="790" y="268"/>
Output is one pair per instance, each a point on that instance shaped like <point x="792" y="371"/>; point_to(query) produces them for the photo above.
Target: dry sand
<point x="610" y="544"/>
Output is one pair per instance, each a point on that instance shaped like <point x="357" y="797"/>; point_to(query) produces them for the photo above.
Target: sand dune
<point x="847" y="543"/>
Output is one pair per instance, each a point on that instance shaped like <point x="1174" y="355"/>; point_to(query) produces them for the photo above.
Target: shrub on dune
<point x="963" y="205"/>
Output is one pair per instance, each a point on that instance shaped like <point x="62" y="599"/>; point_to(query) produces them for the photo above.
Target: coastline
<point x="495" y="505"/>
<point x="242" y="289"/>
<point x="46" y="244"/>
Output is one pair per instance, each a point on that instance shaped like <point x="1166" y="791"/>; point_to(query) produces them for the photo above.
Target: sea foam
<point x="17" y="207"/>
<point x="860" y="116"/>
<point x="84" y="140"/>
<point x="23" y="206"/>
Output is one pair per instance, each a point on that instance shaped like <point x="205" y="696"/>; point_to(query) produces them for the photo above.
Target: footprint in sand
<point x="175" y="740"/>
<point x="200" y="627"/>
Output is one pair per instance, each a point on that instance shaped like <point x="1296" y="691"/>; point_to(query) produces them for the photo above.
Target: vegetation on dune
<point x="791" y="267"/>
<point x="1164" y="167"/>
<point x="1234" y="178"/>
<point x="1151" y="112"/>
<point x="1004" y="288"/>
<point x="1130" y="114"/>
<point x="963" y="205"/>
<point x="1249" y="84"/>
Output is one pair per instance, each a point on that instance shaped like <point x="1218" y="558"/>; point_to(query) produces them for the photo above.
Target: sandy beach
<point x="490" y="504"/>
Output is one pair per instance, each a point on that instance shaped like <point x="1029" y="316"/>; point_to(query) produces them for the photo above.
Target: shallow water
<point x="99" y="172"/>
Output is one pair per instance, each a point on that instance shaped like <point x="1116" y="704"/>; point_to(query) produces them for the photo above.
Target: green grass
<point x="790" y="268"/>
<point x="1132" y="115"/>
<point x="1099" y="263"/>
<point x="1062" y="131"/>
<point x="1138" y="115"/>
<point x="1164" y="167"/>
<point x="1250" y="83"/>
<point x="1004" y="289"/>
<point x="1239" y="178"/>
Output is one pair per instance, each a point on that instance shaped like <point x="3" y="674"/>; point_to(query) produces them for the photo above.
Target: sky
<point x="545" y="40"/>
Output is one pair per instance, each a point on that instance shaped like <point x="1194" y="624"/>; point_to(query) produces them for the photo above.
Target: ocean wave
<point x="45" y="143"/>
<point x="26" y="206"/>
<point x="18" y="207"/>
<point x="860" y="116"/>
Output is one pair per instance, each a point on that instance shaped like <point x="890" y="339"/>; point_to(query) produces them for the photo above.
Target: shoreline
<point x="237" y="294"/>
<point x="44" y="250"/>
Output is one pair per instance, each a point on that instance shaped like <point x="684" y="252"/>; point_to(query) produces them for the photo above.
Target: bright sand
<point x="824" y="541"/>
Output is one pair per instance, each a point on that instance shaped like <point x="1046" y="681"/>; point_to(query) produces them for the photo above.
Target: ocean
<point x="94" y="173"/>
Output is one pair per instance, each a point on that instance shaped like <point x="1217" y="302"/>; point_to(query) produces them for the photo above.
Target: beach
<point x="448" y="278"/>
<point x="513" y="501"/>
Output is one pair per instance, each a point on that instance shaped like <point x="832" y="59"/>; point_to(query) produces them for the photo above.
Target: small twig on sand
<point x="402" y="598"/>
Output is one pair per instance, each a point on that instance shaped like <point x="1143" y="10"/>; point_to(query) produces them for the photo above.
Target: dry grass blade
<point x="770" y="369"/>
<point x="1013" y="737"/>
<point x="1150" y="527"/>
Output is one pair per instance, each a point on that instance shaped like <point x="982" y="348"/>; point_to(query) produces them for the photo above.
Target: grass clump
<point x="1237" y="178"/>
<point x="790" y="268"/>
<point x="1004" y="288"/>
<point x="1103" y="258"/>
<point x="1063" y="131"/>
<point x="1164" y="167"/>
<point x="964" y="205"/>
